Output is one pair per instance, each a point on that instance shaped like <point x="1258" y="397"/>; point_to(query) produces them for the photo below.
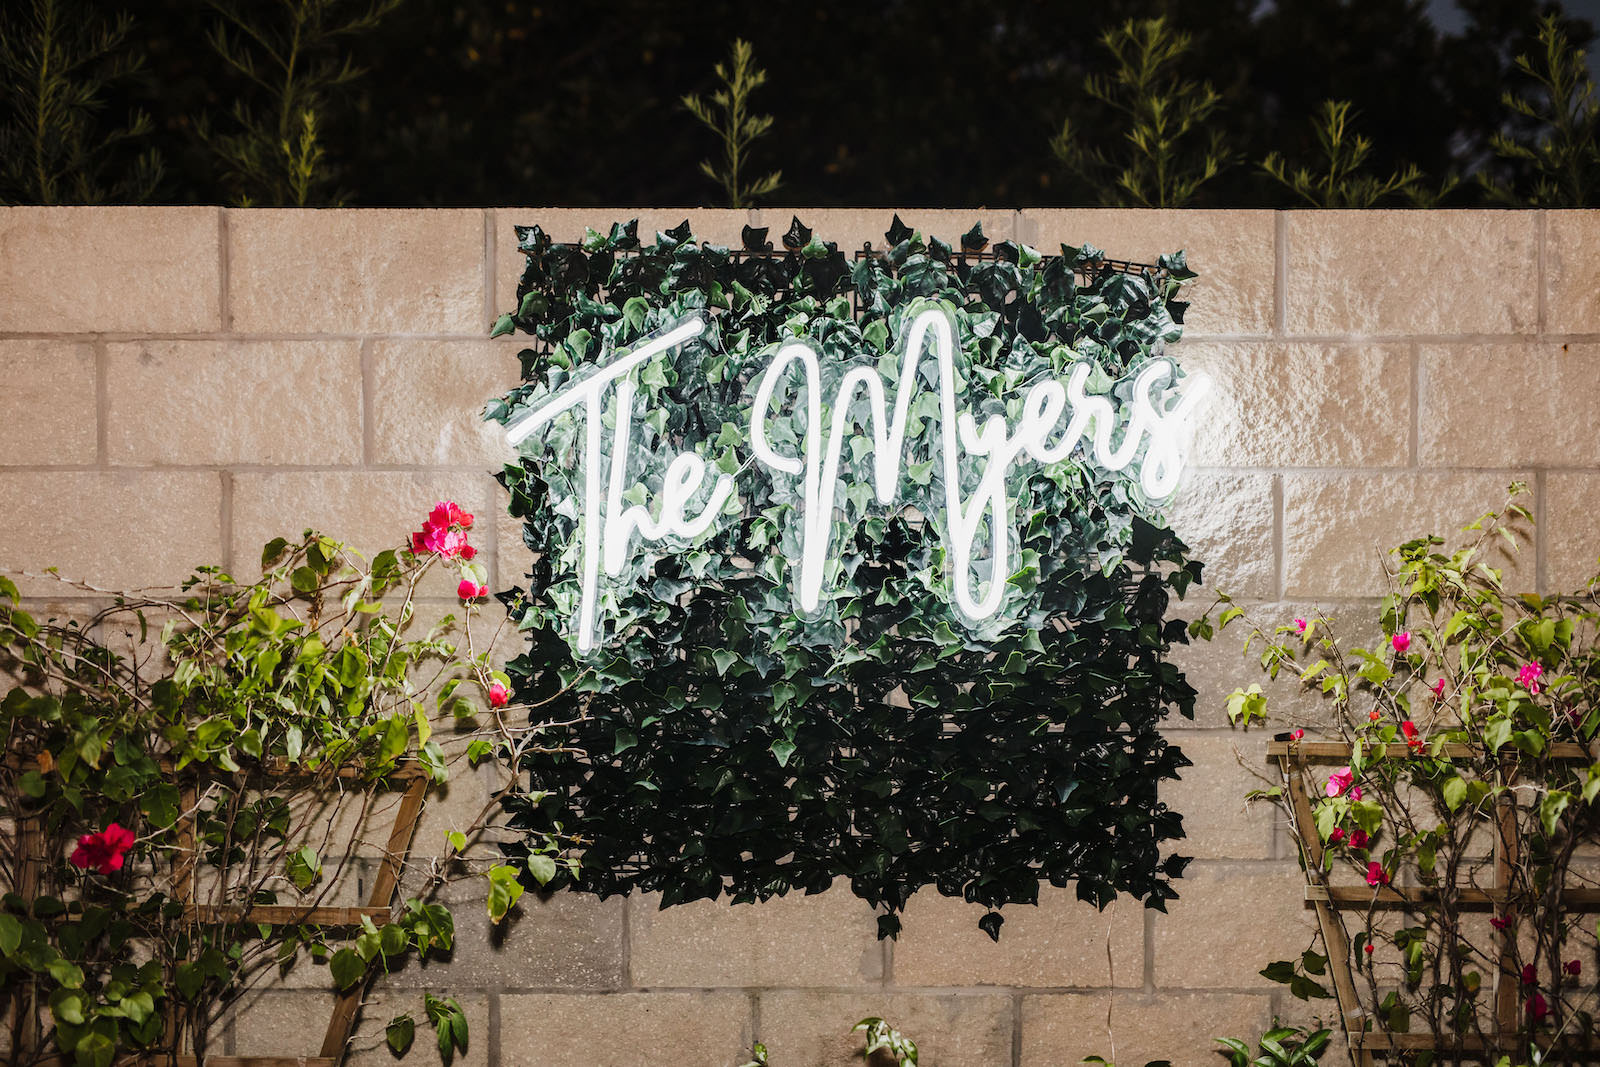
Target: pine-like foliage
<point x="1171" y="147"/>
<point x="727" y="114"/>
<point x="1564" y="158"/>
<point x="57" y="60"/>
<point x="293" y="54"/>
<point x="1338" y="180"/>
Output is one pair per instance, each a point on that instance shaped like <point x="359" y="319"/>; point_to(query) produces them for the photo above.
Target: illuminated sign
<point x="1147" y="429"/>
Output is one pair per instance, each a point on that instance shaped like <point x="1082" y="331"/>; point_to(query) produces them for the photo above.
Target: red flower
<point x="1369" y="948"/>
<point x="1529" y="975"/>
<point x="1438" y="689"/>
<point x="1373" y="715"/>
<point x="498" y="695"/>
<point x="1295" y="735"/>
<point x="1502" y="922"/>
<point x="1537" y="1008"/>
<point x="1573" y="967"/>
<point x="1336" y="835"/>
<point x="1359" y="839"/>
<point x="103" y="851"/>
<point x="1376" y="875"/>
<point x="1409" y="728"/>
<point x="471" y="590"/>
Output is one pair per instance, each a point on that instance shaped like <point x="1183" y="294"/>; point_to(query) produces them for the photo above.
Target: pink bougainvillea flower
<point x="1300" y="627"/>
<point x="1295" y="735"/>
<point x="1529" y="975"/>
<point x="471" y="590"/>
<point x="1376" y="875"/>
<point x="1401" y="641"/>
<point x="1573" y="967"/>
<point x="1413" y="739"/>
<point x="1537" y="1008"/>
<point x="1339" y="781"/>
<point x="1355" y="792"/>
<point x="1359" y="839"/>
<point x="1438" y="689"/>
<point x="1528" y="677"/>
<point x="444" y="533"/>
<point x="498" y="694"/>
<point x="1336" y="835"/>
<point x="103" y="851"/>
<point x="1501" y="922"/>
<point x="446" y="514"/>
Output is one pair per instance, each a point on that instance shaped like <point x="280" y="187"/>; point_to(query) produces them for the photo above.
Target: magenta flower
<point x="1529" y="975"/>
<point x="1359" y="839"/>
<point x="1573" y="967"/>
<point x="103" y="851"/>
<point x="444" y="533"/>
<point x="1355" y="792"/>
<point x="1537" y="1008"/>
<point x="1438" y="689"/>
<point x="1339" y="781"/>
<point x="1401" y="641"/>
<point x="471" y="590"/>
<point x="1295" y="735"/>
<point x="1336" y="835"/>
<point x="1528" y="677"/>
<point x="1502" y="922"/>
<point x="1376" y="875"/>
<point x="1300" y="627"/>
<point x="498" y="695"/>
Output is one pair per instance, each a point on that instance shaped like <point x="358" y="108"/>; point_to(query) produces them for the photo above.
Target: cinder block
<point x="827" y="939"/>
<point x="562" y="940"/>
<point x="1509" y="405"/>
<point x="1338" y="528"/>
<point x="290" y="1024"/>
<point x="110" y="270"/>
<point x="1181" y="1027"/>
<point x="1572" y="272"/>
<point x="219" y="402"/>
<point x="1232" y="251"/>
<point x="1061" y="942"/>
<point x="1571" y="538"/>
<point x="1211" y="794"/>
<point x="1412" y="273"/>
<point x="1227" y="521"/>
<point x="1301" y="405"/>
<point x="1227" y="917"/>
<point x="49" y="413"/>
<point x="625" y="1029"/>
<point x="115" y="529"/>
<point x="357" y="272"/>
<point x="428" y="399"/>
<point x="813" y="1029"/>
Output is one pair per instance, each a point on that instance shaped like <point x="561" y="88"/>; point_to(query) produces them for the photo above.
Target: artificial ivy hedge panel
<point x="718" y="740"/>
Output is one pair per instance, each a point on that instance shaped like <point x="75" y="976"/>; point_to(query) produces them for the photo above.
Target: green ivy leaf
<point x="399" y="1033"/>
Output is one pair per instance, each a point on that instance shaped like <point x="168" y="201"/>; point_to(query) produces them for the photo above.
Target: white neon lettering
<point x="1155" y="433"/>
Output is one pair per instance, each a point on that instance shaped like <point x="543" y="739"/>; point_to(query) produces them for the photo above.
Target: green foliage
<point x="58" y="63"/>
<point x="728" y="116"/>
<point x="222" y="731"/>
<point x="1281" y="1046"/>
<point x="295" y="56"/>
<point x="1340" y="181"/>
<point x="1563" y="155"/>
<point x="725" y="743"/>
<point x="1475" y="717"/>
<point x="881" y="1037"/>
<point x="1173" y="143"/>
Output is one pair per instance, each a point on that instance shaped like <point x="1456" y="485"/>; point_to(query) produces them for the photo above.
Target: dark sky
<point x="1447" y="16"/>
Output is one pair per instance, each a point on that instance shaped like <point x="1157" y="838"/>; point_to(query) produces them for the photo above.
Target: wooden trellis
<point x="1328" y="900"/>
<point x="379" y="909"/>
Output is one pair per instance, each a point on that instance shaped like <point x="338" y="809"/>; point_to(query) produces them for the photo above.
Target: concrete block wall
<point x="182" y="384"/>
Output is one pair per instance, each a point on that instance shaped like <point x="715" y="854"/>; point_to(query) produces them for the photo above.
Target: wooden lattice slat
<point x="1329" y="899"/>
<point x="379" y="908"/>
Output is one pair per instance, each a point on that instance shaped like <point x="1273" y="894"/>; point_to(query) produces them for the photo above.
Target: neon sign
<point x="1149" y="430"/>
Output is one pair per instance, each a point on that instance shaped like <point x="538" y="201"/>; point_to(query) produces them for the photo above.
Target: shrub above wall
<point x="722" y="740"/>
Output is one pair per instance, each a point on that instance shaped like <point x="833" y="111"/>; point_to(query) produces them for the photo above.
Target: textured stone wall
<point x="182" y="384"/>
